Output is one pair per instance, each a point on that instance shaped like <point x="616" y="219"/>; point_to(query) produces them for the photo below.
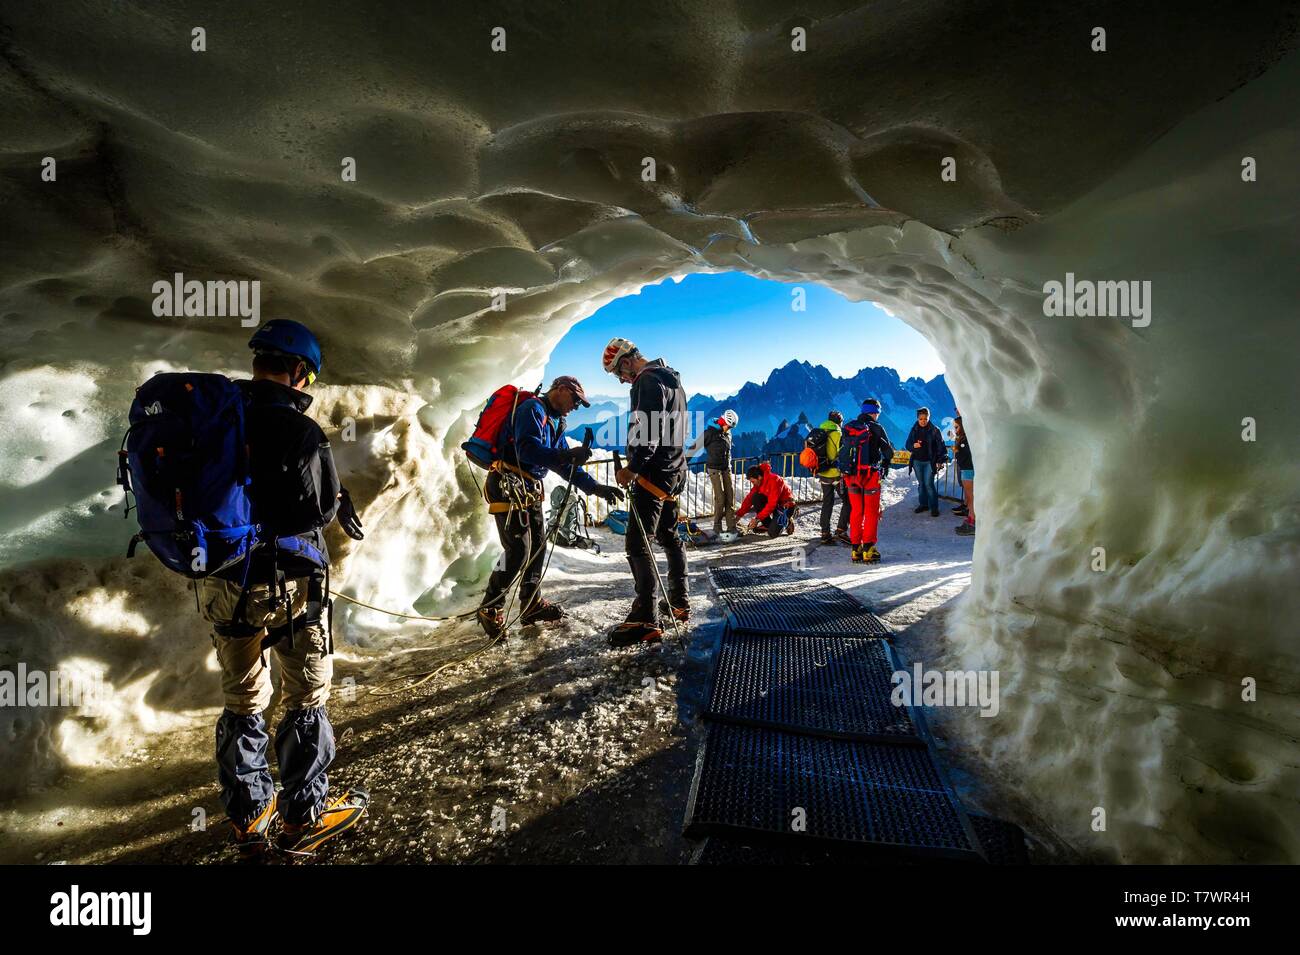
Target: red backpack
<point x="485" y="445"/>
<point x="856" y="451"/>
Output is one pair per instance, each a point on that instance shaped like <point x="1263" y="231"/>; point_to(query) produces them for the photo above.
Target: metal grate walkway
<point x="786" y="603"/>
<point x="763" y="780"/>
<point x="805" y="756"/>
<point x="831" y="686"/>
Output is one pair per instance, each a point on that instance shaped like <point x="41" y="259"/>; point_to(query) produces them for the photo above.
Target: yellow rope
<point x="407" y="616"/>
<point x="422" y="678"/>
<point x="521" y="502"/>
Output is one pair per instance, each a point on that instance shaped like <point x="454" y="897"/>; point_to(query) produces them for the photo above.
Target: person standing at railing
<point x="716" y="444"/>
<point x="929" y="455"/>
<point x="825" y="443"/>
<point x="966" y="469"/>
<point x="865" y="456"/>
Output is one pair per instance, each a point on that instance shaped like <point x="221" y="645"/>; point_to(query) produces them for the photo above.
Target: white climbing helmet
<point x="616" y="351"/>
<point x="731" y="418"/>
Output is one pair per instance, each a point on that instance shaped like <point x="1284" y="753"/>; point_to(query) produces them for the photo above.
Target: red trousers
<point x="864" y="507"/>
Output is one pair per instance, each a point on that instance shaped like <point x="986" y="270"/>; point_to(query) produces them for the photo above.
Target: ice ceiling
<point x="522" y="170"/>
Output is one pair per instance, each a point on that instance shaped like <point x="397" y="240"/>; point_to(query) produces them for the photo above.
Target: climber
<point x="531" y="443"/>
<point x="656" y="473"/>
<point x="966" y="466"/>
<point x="865" y="455"/>
<point x="771" y="501"/>
<point x="929" y="455"/>
<point x="295" y="493"/>
<point x="716" y="442"/>
<point x="825" y="443"/>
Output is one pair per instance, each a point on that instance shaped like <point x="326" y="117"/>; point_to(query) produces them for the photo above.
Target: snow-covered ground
<point x="549" y="747"/>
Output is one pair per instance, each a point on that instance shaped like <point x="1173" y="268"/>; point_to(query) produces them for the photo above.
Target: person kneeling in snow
<point x="533" y="444"/>
<point x="770" y="499"/>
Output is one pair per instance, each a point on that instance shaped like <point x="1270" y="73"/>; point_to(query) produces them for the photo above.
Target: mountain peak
<point x="800" y="388"/>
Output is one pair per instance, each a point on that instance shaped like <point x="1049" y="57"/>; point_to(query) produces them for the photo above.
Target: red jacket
<point x="772" y="485"/>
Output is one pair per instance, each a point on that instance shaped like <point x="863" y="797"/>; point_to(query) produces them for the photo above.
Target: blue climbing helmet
<point x="284" y="336"/>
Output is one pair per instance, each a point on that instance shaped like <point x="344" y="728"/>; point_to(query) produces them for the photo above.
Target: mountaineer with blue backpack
<point x="234" y="486"/>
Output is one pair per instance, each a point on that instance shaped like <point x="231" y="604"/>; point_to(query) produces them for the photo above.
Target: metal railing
<point x="696" y="500"/>
<point x="948" y="483"/>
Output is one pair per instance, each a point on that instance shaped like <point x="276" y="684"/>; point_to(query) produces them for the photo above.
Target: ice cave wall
<point x="1122" y="689"/>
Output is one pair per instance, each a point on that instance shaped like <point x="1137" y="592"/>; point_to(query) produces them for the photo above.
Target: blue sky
<point x="721" y="330"/>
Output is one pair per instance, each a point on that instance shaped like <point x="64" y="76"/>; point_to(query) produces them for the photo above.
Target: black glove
<point x="609" y="493"/>
<point x="348" y="519"/>
<point x="577" y="456"/>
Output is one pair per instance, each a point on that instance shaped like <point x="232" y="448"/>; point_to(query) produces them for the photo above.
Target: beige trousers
<point x="306" y="668"/>
<point x="724" y="500"/>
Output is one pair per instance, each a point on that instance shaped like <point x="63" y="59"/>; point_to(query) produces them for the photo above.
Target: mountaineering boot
<point x="632" y="633"/>
<point x="829" y="538"/>
<point x="680" y="611"/>
<point x="340" y="814"/>
<point x="542" y="611"/>
<point x="252" y="839"/>
<point x="857" y="554"/>
<point x="493" y="621"/>
<point x="870" y="555"/>
<point x="641" y="626"/>
<point x="843" y="537"/>
<point x="966" y="529"/>
<point x="960" y="510"/>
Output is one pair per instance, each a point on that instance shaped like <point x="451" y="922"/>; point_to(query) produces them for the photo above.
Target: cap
<point x="568" y="381"/>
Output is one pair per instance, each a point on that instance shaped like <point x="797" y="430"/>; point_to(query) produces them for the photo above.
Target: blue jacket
<point x="538" y="440"/>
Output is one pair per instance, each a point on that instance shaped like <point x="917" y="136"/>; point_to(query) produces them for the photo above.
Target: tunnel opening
<point x="1153" y="681"/>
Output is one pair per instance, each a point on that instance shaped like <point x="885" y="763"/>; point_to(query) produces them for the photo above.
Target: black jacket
<point x="961" y="451"/>
<point x="656" y="441"/>
<point x="875" y="451"/>
<point x="932" y="447"/>
<point x="294" y="485"/>
<point x="717" y="448"/>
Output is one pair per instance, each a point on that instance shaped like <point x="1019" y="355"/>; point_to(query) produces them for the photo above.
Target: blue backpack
<point x="185" y="459"/>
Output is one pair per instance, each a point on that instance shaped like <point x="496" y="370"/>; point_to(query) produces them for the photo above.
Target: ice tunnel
<point x="1139" y="547"/>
